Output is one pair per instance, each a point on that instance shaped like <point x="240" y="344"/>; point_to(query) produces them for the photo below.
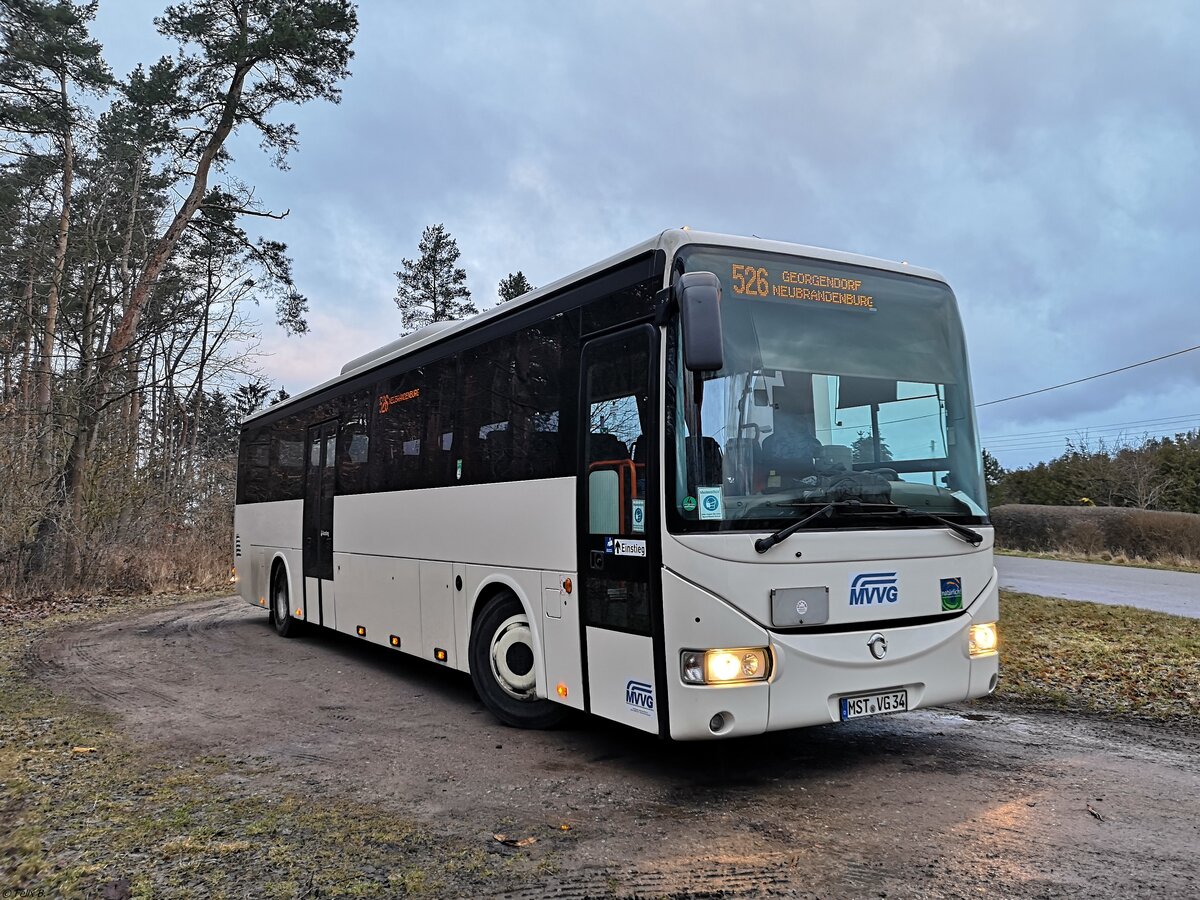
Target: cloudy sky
<point x="1044" y="156"/>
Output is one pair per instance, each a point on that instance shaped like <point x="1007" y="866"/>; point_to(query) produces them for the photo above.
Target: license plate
<point x="874" y="704"/>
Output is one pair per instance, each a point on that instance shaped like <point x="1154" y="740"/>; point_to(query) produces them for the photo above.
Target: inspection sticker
<point x="710" y="502"/>
<point x="639" y="516"/>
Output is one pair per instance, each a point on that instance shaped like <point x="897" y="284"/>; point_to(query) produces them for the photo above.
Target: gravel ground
<point x="943" y="803"/>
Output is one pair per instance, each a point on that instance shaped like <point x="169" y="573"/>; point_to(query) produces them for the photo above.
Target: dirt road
<point x="945" y="803"/>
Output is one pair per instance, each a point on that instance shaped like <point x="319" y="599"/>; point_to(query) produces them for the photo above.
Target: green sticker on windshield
<point x="689" y="504"/>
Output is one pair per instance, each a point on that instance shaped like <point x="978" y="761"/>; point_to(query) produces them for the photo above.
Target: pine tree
<point x="513" y="286"/>
<point x="432" y="288"/>
<point x="863" y="449"/>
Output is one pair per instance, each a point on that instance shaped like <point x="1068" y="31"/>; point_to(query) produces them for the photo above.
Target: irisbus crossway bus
<point x="712" y="486"/>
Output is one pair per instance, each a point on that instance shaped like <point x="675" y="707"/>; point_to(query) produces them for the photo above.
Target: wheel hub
<point x="512" y="658"/>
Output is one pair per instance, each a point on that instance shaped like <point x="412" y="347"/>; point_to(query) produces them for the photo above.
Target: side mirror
<point x="699" y="296"/>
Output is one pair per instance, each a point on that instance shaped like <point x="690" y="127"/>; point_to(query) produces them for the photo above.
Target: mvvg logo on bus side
<point x="639" y="697"/>
<point x="874" y="587"/>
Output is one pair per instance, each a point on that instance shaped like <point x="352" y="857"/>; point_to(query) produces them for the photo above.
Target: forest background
<point x="134" y="270"/>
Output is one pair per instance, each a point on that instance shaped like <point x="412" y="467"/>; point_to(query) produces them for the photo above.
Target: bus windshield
<point x="839" y="383"/>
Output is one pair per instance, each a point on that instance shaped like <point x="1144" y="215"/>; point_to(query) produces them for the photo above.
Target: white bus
<point x="712" y="486"/>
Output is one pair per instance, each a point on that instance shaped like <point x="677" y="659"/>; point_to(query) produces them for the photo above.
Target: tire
<point x="281" y="606"/>
<point x="501" y="658"/>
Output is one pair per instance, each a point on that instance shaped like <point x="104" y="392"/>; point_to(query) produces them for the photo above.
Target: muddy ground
<point x="972" y="801"/>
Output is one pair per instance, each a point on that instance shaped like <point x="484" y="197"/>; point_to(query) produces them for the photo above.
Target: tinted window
<point x="254" y="466"/>
<point x="399" y="427"/>
<point x="354" y="444"/>
<point x="287" y="460"/>
<point x="626" y="305"/>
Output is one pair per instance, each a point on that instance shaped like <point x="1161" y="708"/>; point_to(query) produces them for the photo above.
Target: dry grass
<point x="1167" y="564"/>
<point x="73" y="823"/>
<point x="1093" y="658"/>
<point x="1103" y="533"/>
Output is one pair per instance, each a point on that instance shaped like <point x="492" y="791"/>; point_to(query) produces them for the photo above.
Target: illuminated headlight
<point x="984" y="639"/>
<point x="725" y="666"/>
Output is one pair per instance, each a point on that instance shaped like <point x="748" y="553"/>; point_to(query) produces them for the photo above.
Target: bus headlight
<point x="984" y="639"/>
<point x="725" y="666"/>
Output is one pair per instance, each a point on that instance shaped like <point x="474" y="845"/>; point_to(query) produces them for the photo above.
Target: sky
<point x="1043" y="156"/>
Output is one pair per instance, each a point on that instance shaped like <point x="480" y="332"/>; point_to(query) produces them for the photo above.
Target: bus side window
<point x="399" y="418"/>
<point x="354" y="441"/>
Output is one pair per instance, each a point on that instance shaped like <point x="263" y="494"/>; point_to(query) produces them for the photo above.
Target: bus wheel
<point x="501" y="656"/>
<point x="281" y="606"/>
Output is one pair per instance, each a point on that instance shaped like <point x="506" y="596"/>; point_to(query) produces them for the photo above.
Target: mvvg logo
<point x="639" y="697"/>
<point x="874" y="587"/>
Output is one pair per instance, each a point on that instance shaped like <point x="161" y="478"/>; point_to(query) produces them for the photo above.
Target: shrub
<point x="1093" y="531"/>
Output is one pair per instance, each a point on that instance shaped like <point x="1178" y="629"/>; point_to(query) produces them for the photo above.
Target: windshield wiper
<point x="762" y="545"/>
<point x="970" y="535"/>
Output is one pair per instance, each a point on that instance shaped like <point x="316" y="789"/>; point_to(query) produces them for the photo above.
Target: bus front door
<point x="618" y="543"/>
<point x="318" y="523"/>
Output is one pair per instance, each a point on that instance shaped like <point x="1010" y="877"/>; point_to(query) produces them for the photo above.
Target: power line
<point x="1085" y="433"/>
<point x="1056" y="444"/>
<point x="1183" y="418"/>
<point x="1055" y="387"/>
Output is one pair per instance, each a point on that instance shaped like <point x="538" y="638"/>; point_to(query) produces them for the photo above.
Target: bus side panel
<point x="560" y="638"/>
<point x="381" y="594"/>
<point x="261" y="530"/>
<point x="621" y="678"/>
<point x="514" y="525"/>
<point x="437" y="613"/>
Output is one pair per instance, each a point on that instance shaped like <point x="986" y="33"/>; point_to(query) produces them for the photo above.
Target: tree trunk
<point x="122" y="336"/>
<point x="56" y="278"/>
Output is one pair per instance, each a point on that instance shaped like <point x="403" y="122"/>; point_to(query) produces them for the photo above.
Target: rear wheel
<point x="501" y="655"/>
<point x="281" y="606"/>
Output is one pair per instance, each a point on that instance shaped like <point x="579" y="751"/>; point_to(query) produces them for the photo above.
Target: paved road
<point x="1156" y="589"/>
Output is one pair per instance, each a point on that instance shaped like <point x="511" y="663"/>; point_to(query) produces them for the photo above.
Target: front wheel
<point x="501" y="656"/>
<point x="281" y="606"/>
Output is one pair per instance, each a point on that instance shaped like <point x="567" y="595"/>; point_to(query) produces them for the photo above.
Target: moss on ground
<point x="83" y="807"/>
<point x="1093" y="658"/>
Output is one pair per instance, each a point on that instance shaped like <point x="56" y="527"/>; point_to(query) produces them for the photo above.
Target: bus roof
<point x="668" y="241"/>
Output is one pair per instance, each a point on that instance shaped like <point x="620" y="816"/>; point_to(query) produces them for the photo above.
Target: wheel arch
<point x="490" y="587"/>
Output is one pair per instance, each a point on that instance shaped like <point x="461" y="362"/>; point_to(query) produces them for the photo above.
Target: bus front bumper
<point x="812" y="673"/>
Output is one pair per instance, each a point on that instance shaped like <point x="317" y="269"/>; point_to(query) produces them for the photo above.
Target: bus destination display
<point x="751" y="281"/>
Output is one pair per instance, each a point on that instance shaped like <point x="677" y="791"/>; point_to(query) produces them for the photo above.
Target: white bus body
<point x="546" y="497"/>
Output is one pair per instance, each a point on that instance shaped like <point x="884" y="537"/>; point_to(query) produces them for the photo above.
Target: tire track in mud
<point x="949" y="803"/>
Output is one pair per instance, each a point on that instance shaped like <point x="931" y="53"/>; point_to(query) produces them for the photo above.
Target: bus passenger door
<point x="320" y="471"/>
<point x="618" y="536"/>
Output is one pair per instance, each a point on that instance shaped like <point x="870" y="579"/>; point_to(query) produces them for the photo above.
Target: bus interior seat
<point x="603" y="447"/>
<point x="744" y="470"/>
<point x="792" y="446"/>
<point x="711" y="465"/>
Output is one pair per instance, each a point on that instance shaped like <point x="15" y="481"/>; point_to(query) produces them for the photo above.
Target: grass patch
<point x="1094" y="658"/>
<point x="1105" y="558"/>
<point x="83" y="806"/>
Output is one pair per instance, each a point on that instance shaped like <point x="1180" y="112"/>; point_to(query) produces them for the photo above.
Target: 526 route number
<point x="749" y="280"/>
